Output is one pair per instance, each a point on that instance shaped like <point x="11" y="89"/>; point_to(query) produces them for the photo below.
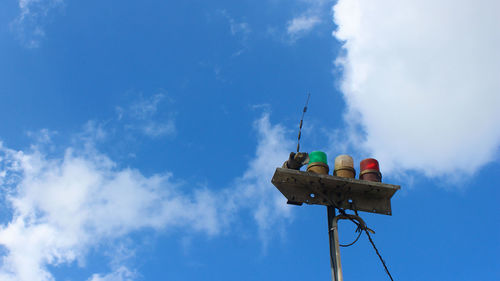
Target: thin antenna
<point x="302" y="121"/>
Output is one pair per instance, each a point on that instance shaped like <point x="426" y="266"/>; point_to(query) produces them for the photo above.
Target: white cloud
<point x="29" y="23"/>
<point x="145" y="108"/>
<point x="43" y="136"/>
<point x="154" y="129"/>
<point x="62" y="207"/>
<point x="421" y="81"/>
<point x="121" y="274"/>
<point x="148" y="117"/>
<point x="308" y="19"/>
<point x="236" y="27"/>
<point x="239" y="29"/>
<point x="255" y="189"/>
<point x="302" y="24"/>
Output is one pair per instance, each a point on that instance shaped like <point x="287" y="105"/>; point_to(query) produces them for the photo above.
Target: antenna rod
<point x="302" y="121"/>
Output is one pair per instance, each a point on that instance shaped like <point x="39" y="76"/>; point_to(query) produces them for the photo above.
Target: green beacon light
<point x="318" y="163"/>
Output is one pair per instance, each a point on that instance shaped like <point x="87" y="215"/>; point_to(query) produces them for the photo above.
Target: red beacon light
<point x="370" y="170"/>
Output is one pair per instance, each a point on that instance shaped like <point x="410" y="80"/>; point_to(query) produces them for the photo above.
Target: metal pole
<point x="334" y="245"/>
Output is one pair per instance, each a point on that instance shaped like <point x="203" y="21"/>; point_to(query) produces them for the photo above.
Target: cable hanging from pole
<point x="376" y="251"/>
<point x="378" y="254"/>
<point x="361" y="225"/>
<point x="355" y="240"/>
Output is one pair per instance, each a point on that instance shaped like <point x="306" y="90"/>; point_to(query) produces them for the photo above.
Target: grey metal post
<point x="334" y="245"/>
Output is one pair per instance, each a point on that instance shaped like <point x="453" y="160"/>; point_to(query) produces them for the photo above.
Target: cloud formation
<point x="255" y="189"/>
<point x="28" y="26"/>
<point x="239" y="29"/>
<point x="121" y="274"/>
<point x="301" y="24"/>
<point x="308" y="19"/>
<point x="64" y="206"/>
<point x="421" y="82"/>
<point x="148" y="117"/>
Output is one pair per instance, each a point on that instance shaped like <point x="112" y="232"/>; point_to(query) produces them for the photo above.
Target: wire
<point x="376" y="250"/>
<point x="378" y="254"/>
<point x="361" y="226"/>
<point x="354" y="242"/>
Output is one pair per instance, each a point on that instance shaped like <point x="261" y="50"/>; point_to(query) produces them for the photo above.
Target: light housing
<point x="318" y="163"/>
<point x="369" y="170"/>
<point x="344" y="167"/>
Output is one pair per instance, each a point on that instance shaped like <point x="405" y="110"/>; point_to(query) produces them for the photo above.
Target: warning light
<point x="370" y="170"/>
<point x="318" y="163"/>
<point x="344" y="167"/>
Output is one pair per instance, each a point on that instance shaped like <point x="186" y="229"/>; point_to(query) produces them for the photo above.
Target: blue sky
<point x="139" y="138"/>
